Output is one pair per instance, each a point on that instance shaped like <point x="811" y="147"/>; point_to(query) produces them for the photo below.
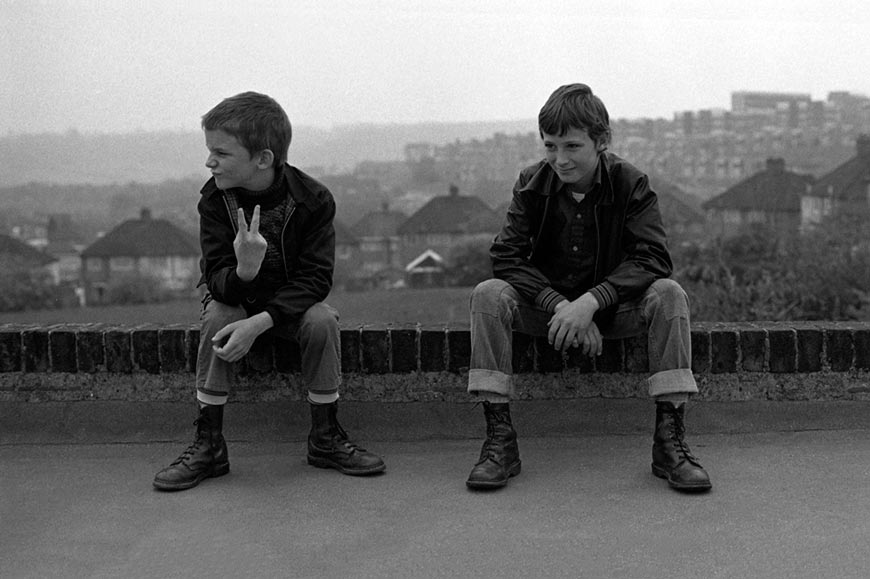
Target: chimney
<point x="454" y="190"/>
<point x="776" y="165"/>
<point x="862" y="144"/>
<point x="145" y="214"/>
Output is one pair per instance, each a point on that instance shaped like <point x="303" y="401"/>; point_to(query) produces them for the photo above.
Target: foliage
<point x="24" y="289"/>
<point x="470" y="264"/>
<point x="823" y="274"/>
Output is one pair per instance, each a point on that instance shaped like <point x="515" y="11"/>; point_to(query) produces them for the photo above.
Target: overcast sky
<point x="120" y="66"/>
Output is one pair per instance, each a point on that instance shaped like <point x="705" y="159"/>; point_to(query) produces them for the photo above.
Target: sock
<point x="210" y="399"/>
<point x="493" y="397"/>
<point x="320" y="398"/>
<point x="677" y="398"/>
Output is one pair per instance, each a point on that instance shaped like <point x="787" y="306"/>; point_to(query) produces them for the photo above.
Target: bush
<point x="136" y="289"/>
<point x="27" y="290"/>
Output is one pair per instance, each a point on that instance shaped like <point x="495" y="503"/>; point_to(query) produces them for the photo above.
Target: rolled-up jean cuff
<point x="490" y="381"/>
<point x="679" y="381"/>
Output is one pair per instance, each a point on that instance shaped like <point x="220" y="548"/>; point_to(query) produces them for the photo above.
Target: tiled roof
<point x="144" y="237"/>
<point x="379" y="224"/>
<point x="850" y="180"/>
<point x="21" y="251"/>
<point x="773" y="189"/>
<point x="452" y="213"/>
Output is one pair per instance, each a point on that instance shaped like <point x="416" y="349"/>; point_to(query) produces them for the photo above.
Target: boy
<point x="268" y="251"/>
<point x="582" y="256"/>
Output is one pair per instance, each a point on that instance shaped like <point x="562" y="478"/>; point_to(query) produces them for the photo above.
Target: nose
<point x="211" y="162"/>
<point x="561" y="158"/>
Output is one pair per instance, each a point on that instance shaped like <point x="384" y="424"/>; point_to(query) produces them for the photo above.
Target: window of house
<point x="122" y="264"/>
<point x="94" y="264"/>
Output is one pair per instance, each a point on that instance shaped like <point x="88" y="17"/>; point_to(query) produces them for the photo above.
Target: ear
<point x="265" y="158"/>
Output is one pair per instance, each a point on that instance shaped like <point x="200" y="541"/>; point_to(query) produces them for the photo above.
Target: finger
<point x="255" y="220"/>
<point x="243" y="225"/>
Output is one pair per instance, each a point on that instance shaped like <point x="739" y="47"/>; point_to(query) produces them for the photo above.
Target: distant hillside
<point x="153" y="157"/>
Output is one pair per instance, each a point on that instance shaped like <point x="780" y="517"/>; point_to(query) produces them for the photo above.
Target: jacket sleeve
<point x="310" y="277"/>
<point x="218" y="262"/>
<point x="643" y="245"/>
<point x="511" y="250"/>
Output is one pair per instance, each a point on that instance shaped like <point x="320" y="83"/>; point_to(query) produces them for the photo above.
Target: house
<point x="347" y="257"/>
<point x="446" y="223"/>
<point x="844" y="189"/>
<point x="65" y="240"/>
<point x="771" y="197"/>
<point x="426" y="270"/>
<point x="16" y="256"/>
<point x="380" y="252"/>
<point x="141" y="248"/>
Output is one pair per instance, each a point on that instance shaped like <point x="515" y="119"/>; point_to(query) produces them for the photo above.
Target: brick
<point x="89" y="350"/>
<point x="523" y="353"/>
<point x="636" y="354"/>
<point x="610" y="359"/>
<point x="700" y="351"/>
<point x="576" y="359"/>
<point x="350" y="351"/>
<point x="145" y="346"/>
<point x="861" y="341"/>
<point x="62" y="351"/>
<point x="752" y="349"/>
<point x="809" y="350"/>
<point x="433" y="349"/>
<point x="839" y="349"/>
<point x="403" y="347"/>
<point x="548" y="359"/>
<point x="171" y="349"/>
<point x="286" y="354"/>
<point x="458" y="350"/>
<point x="375" y="351"/>
<point x="10" y="351"/>
<point x="723" y="350"/>
<point x="35" y="350"/>
<point x="783" y="350"/>
<point x="119" y="351"/>
<point x="192" y="347"/>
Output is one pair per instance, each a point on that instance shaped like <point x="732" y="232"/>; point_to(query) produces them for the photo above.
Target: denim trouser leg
<point x="317" y="334"/>
<point x="662" y="313"/>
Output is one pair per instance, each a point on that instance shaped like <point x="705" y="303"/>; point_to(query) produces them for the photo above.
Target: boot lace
<point x="678" y="438"/>
<point x="194" y="446"/>
<point x="340" y="437"/>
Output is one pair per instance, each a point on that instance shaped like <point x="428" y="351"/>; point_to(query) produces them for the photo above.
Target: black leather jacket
<point x="632" y="247"/>
<point x="308" y="251"/>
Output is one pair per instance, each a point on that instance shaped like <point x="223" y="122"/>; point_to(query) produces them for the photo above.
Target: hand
<point x="571" y="323"/>
<point x="250" y="246"/>
<point x="240" y="336"/>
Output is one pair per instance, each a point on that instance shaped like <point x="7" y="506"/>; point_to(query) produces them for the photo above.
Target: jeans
<point x="662" y="313"/>
<point x="316" y="332"/>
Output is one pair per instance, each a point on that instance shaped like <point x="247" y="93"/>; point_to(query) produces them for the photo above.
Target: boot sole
<point x="213" y="473"/>
<point x="513" y="471"/>
<point x="326" y="463"/>
<point x="663" y="473"/>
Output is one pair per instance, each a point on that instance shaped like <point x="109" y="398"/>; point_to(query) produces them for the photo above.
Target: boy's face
<point x="573" y="156"/>
<point x="232" y="165"/>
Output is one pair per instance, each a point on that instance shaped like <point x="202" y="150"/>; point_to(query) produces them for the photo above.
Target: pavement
<point x="784" y="504"/>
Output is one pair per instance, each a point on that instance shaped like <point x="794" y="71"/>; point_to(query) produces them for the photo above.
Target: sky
<point x="104" y="66"/>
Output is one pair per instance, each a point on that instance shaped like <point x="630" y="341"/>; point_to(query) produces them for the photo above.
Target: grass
<point x="437" y="306"/>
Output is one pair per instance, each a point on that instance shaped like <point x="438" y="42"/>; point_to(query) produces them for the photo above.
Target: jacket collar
<point x="545" y="182"/>
<point x="297" y="187"/>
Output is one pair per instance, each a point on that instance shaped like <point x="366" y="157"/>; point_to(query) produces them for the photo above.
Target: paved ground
<point x="793" y="505"/>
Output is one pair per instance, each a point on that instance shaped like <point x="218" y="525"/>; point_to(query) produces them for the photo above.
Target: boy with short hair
<point x="582" y="256"/>
<point x="268" y="252"/>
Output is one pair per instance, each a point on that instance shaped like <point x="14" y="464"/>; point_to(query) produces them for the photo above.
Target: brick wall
<point x="732" y="362"/>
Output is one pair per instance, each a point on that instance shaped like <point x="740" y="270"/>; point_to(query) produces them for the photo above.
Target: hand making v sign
<point x="249" y="245"/>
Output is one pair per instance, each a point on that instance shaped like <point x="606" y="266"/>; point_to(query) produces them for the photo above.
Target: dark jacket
<point x="631" y="242"/>
<point x="308" y="250"/>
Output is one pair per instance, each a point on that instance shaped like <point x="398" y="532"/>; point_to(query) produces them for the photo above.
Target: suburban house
<point x="141" y="248"/>
<point x="380" y="252"/>
<point x="771" y="197"/>
<point x="845" y="189"/>
<point x="16" y="256"/>
<point x="445" y="224"/>
<point x="347" y="256"/>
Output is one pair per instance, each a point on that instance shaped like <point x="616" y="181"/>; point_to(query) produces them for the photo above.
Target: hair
<point x="573" y="106"/>
<point x="256" y="120"/>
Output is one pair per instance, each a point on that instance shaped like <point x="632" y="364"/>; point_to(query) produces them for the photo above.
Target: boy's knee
<point x="216" y="315"/>
<point x="487" y="293"/>
<point x="671" y="296"/>
<point x="320" y="319"/>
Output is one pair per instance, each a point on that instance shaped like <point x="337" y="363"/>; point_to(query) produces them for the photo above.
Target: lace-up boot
<point x="500" y="456"/>
<point x="329" y="446"/>
<point x="205" y="457"/>
<point x="672" y="459"/>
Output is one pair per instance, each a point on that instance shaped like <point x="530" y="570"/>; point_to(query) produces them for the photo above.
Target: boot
<point x="205" y="457"/>
<point x="500" y="455"/>
<point x="672" y="459"/>
<point x="329" y="446"/>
